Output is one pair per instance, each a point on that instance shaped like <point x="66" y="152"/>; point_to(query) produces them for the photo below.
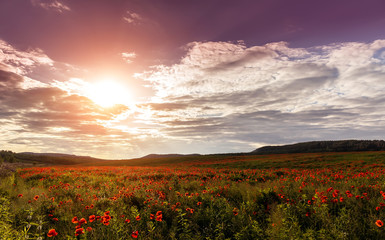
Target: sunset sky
<point x="125" y="78"/>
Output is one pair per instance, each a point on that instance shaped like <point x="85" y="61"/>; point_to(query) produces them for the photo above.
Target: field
<point x="282" y="196"/>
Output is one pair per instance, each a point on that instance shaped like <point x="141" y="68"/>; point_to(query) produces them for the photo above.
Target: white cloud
<point x="132" y="18"/>
<point x="128" y="56"/>
<point x="22" y="62"/>
<point x="234" y="92"/>
<point x="53" y="5"/>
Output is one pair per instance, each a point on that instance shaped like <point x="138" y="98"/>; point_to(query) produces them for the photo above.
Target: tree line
<point x="325" y="146"/>
<point x="7" y="156"/>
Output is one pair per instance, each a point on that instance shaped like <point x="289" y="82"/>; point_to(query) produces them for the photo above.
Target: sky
<point x="125" y="78"/>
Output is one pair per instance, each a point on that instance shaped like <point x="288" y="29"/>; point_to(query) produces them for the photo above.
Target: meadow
<point x="277" y="196"/>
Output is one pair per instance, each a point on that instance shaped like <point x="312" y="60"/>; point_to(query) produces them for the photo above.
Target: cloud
<point x="128" y="56"/>
<point x="133" y="18"/>
<point x="220" y="97"/>
<point x="272" y="93"/>
<point x="21" y="62"/>
<point x="34" y="116"/>
<point x="53" y="5"/>
<point x="48" y="114"/>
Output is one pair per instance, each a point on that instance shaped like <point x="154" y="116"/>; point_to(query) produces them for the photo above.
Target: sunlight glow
<point x="107" y="93"/>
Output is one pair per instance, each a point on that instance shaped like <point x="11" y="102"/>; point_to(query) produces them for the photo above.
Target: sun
<point x="108" y="93"/>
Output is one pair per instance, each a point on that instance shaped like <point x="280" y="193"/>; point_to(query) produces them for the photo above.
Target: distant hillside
<point x="325" y="146"/>
<point x="153" y="156"/>
<point x="55" y="158"/>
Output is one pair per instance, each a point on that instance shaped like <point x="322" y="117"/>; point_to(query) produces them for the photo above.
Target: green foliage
<point x="6" y="218"/>
<point x="7" y="156"/>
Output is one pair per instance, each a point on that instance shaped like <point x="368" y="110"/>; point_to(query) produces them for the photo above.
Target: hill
<point x="44" y="159"/>
<point x="324" y="146"/>
<point x="55" y="158"/>
<point x="154" y="156"/>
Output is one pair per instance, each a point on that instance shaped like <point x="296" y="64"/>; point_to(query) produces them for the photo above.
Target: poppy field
<point x="282" y="196"/>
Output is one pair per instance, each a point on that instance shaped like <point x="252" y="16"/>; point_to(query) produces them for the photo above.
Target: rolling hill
<point x="325" y="146"/>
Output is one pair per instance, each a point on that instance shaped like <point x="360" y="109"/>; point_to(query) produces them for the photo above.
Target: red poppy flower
<point x="82" y="221"/>
<point x="92" y="218"/>
<point x="127" y="221"/>
<point x="135" y="234"/>
<point x="235" y="212"/>
<point x="137" y="218"/>
<point x="75" y="220"/>
<point x="20" y="195"/>
<point x="52" y="233"/>
<point x="379" y="223"/>
<point x="152" y="216"/>
<point x="89" y="229"/>
<point x="36" y="197"/>
<point x="190" y="210"/>
<point x="79" y="231"/>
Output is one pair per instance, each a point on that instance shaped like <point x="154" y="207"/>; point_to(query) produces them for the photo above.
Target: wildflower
<point x="79" y="231"/>
<point x="20" y="195"/>
<point x="190" y="210"/>
<point x="82" y="221"/>
<point x="152" y="216"/>
<point x="106" y="219"/>
<point x="75" y="220"/>
<point x="159" y="216"/>
<point x="52" y="233"/>
<point x="127" y="221"/>
<point x="135" y="234"/>
<point x="55" y="219"/>
<point x="36" y="197"/>
<point x="137" y="218"/>
<point x="89" y="229"/>
<point x="199" y="203"/>
<point x="91" y="218"/>
<point x="235" y="211"/>
<point x="379" y="223"/>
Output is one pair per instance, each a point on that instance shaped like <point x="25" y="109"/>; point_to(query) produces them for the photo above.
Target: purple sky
<point x="200" y="76"/>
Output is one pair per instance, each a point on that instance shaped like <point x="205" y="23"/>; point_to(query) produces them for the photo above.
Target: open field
<point x="282" y="196"/>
